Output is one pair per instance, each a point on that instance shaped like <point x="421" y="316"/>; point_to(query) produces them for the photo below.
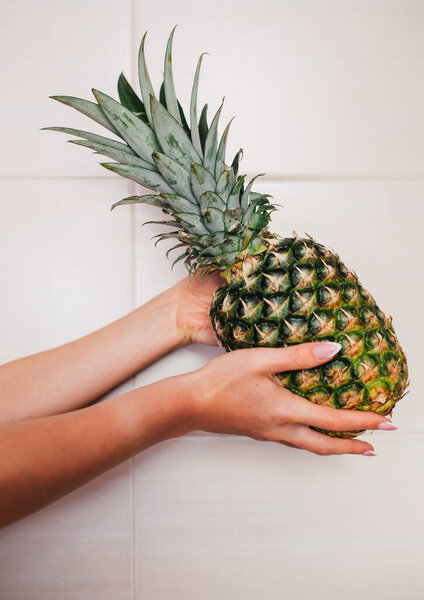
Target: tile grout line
<point x="134" y="291"/>
<point x="272" y="177"/>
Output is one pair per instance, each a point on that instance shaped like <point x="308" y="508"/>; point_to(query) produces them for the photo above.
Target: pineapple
<point x="277" y="292"/>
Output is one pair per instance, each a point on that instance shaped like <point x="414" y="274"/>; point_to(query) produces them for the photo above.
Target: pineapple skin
<point x="299" y="291"/>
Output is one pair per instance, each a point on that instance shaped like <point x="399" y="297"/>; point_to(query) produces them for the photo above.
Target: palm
<point x="194" y="297"/>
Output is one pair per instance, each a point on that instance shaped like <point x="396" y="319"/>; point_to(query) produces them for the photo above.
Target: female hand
<point x="238" y="393"/>
<point x="193" y="297"/>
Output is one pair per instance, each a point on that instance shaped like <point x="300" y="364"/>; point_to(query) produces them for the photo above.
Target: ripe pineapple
<point x="277" y="291"/>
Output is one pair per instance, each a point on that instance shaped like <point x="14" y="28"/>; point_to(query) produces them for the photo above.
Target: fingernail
<point x="326" y="349"/>
<point x="369" y="453"/>
<point x="387" y="426"/>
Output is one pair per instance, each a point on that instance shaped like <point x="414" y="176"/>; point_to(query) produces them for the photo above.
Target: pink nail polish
<point x="369" y="453"/>
<point x="387" y="426"/>
<point x="326" y="349"/>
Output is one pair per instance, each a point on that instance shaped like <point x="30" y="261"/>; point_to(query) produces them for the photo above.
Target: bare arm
<point x="75" y="374"/>
<point x="46" y="458"/>
<point x="43" y="459"/>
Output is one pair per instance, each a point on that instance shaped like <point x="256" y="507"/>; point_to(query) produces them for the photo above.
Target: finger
<point x="322" y="444"/>
<point x="298" y="356"/>
<point x="334" y="419"/>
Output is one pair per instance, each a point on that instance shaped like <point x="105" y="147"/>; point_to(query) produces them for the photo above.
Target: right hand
<point x="238" y="393"/>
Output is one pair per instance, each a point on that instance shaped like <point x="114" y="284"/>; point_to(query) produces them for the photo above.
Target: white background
<point x="329" y="98"/>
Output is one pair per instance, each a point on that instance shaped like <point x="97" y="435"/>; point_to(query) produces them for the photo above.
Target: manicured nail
<point x="387" y="426"/>
<point x="326" y="349"/>
<point x="369" y="453"/>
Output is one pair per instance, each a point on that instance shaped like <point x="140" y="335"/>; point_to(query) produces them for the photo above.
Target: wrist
<point x="195" y="400"/>
<point x="169" y="302"/>
<point x="153" y="413"/>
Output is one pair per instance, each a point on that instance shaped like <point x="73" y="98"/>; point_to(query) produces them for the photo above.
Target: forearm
<point x="44" y="459"/>
<point x="77" y="373"/>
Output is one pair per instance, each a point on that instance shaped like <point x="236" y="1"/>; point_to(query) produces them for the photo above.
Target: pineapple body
<point x="298" y="291"/>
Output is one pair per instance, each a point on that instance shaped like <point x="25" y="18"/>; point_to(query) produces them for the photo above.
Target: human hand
<point x="192" y="297"/>
<point x="238" y="393"/>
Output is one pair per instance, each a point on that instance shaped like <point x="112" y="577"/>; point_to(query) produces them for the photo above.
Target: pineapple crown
<point x="214" y="216"/>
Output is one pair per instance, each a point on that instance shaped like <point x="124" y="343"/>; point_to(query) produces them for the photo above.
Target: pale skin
<point x="53" y="440"/>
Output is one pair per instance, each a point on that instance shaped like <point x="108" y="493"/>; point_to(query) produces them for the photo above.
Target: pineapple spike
<point x="244" y="202"/>
<point x="147" y="199"/>
<point x="220" y="155"/>
<point x="194" y="126"/>
<point x="168" y="252"/>
<point x="118" y="155"/>
<point x="144" y="78"/>
<point x="209" y="159"/>
<point x="180" y="257"/>
<point x="100" y="139"/>
<point x="164" y="236"/>
<point x="169" y="88"/>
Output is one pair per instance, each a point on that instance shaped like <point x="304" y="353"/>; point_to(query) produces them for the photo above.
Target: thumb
<point x="298" y="356"/>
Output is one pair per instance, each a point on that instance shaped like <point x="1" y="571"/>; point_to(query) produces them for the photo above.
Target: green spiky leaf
<point x="209" y="153"/>
<point x="201" y="180"/>
<point x="194" y="222"/>
<point x="100" y="139"/>
<point x="177" y="176"/>
<point x="172" y="138"/>
<point x="225" y="183"/>
<point x="144" y="79"/>
<point x="220" y="155"/>
<point x="258" y="221"/>
<point x="129" y="98"/>
<point x="180" y="204"/>
<point x="211" y="199"/>
<point x="147" y="199"/>
<point x="203" y="127"/>
<point x="233" y="200"/>
<point x="117" y="155"/>
<point x="145" y="177"/>
<point x="244" y="202"/>
<point x="169" y="88"/>
<point x="135" y="132"/>
<point x="89" y="109"/>
<point x="194" y="126"/>
<point x="236" y="161"/>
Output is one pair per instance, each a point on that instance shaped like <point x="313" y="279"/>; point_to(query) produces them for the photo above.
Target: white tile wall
<point x="328" y="96"/>
<point x="329" y="88"/>
<point x="233" y="518"/>
<point x="78" y="548"/>
<point x="66" y="263"/>
<point x="54" y="47"/>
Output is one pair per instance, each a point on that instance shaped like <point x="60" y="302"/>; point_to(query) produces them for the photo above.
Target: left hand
<point x="193" y="296"/>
